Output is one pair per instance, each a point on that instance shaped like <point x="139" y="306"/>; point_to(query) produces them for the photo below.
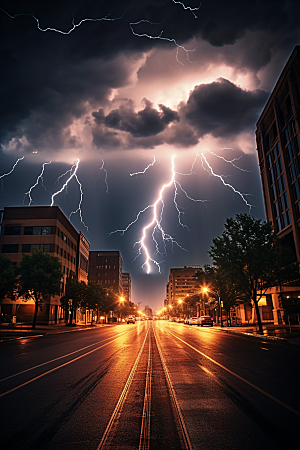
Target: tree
<point x="220" y="287"/>
<point x="249" y="252"/>
<point x="73" y="298"/>
<point x="8" y="278"/>
<point x="39" y="278"/>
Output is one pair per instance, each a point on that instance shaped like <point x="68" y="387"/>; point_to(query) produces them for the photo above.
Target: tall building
<point x="278" y="137"/>
<point x="126" y="284"/>
<point x="26" y="229"/>
<point x="182" y="282"/>
<point x="105" y="268"/>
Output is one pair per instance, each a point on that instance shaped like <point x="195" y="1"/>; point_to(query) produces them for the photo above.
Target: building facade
<point x="126" y="285"/>
<point x="27" y="229"/>
<point x="182" y="282"/>
<point x="278" y="138"/>
<point x="105" y="268"/>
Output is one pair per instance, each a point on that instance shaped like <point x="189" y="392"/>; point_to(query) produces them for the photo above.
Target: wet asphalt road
<point x="156" y="385"/>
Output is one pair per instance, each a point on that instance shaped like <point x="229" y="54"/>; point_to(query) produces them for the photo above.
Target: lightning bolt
<point x="105" y="177"/>
<point x="211" y="172"/>
<point x="189" y="8"/>
<point x="74" y="25"/>
<point x="73" y="174"/>
<point x="155" y="223"/>
<point x="231" y="161"/>
<point x="146" y="168"/>
<point x="40" y="177"/>
<point x="8" y="173"/>
<point x="78" y="210"/>
<point x="160" y="37"/>
<point x="107" y="18"/>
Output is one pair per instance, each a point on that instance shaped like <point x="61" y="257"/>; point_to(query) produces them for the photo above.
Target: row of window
<point x="16" y="230"/>
<point x="66" y="239"/>
<point x="31" y="248"/>
<point x="40" y="230"/>
<point x="105" y="266"/>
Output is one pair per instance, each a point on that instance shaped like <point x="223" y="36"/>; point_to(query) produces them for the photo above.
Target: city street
<point x="149" y="385"/>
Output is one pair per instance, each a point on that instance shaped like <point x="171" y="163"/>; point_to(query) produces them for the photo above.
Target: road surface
<point x="150" y="385"/>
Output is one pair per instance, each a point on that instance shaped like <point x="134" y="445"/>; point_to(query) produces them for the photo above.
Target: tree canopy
<point x="249" y="255"/>
<point x="39" y="278"/>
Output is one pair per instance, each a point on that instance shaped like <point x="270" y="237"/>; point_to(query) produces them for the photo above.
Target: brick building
<point x="105" y="268"/>
<point x="278" y="137"/>
<point x="182" y="282"/>
<point x="126" y="285"/>
<point x="27" y="229"/>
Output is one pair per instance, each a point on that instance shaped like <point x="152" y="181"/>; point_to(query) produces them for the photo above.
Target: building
<point x="126" y="284"/>
<point x="27" y="229"/>
<point x="182" y="282"/>
<point x="278" y="137"/>
<point x="105" y="268"/>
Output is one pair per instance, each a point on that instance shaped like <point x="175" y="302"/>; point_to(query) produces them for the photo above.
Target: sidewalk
<point x="20" y="331"/>
<point x="270" y="331"/>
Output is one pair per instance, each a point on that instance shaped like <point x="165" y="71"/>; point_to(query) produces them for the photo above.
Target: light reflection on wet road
<point x="223" y="391"/>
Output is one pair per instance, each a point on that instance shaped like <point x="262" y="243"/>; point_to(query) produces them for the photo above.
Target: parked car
<point x="193" y="321"/>
<point x="130" y="319"/>
<point x="205" y="320"/>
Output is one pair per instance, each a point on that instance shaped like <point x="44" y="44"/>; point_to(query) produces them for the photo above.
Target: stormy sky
<point x="124" y="86"/>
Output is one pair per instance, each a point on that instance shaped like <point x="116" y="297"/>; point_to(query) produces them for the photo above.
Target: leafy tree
<point x="219" y="286"/>
<point x="39" y="278"/>
<point x="249" y="252"/>
<point x="8" y="278"/>
<point x="73" y="298"/>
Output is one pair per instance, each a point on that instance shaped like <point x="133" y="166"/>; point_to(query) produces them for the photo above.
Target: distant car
<point x="130" y="320"/>
<point x="205" y="320"/>
<point x="180" y="320"/>
<point x="193" y="321"/>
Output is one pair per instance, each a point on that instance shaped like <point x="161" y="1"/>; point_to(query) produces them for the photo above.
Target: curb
<point x="258" y="336"/>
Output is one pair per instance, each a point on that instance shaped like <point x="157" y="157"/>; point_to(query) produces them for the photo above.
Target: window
<point x="277" y="208"/>
<point x="286" y="218"/>
<point x="284" y="201"/>
<point x="290" y="152"/>
<point x="272" y="175"/>
<point x="274" y="192"/>
<point x="40" y="247"/>
<point x="294" y="170"/>
<point x="37" y="230"/>
<point x="10" y="248"/>
<point x="281" y="184"/>
<point x="26" y="248"/>
<point x="276" y="151"/>
<point x="12" y="231"/>
<point x="278" y="166"/>
<point x="297" y="189"/>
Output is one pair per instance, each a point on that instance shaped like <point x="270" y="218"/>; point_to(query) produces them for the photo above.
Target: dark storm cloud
<point x="222" y="109"/>
<point x="48" y="79"/>
<point x="146" y="122"/>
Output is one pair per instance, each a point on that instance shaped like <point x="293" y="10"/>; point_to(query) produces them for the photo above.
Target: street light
<point x="220" y="303"/>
